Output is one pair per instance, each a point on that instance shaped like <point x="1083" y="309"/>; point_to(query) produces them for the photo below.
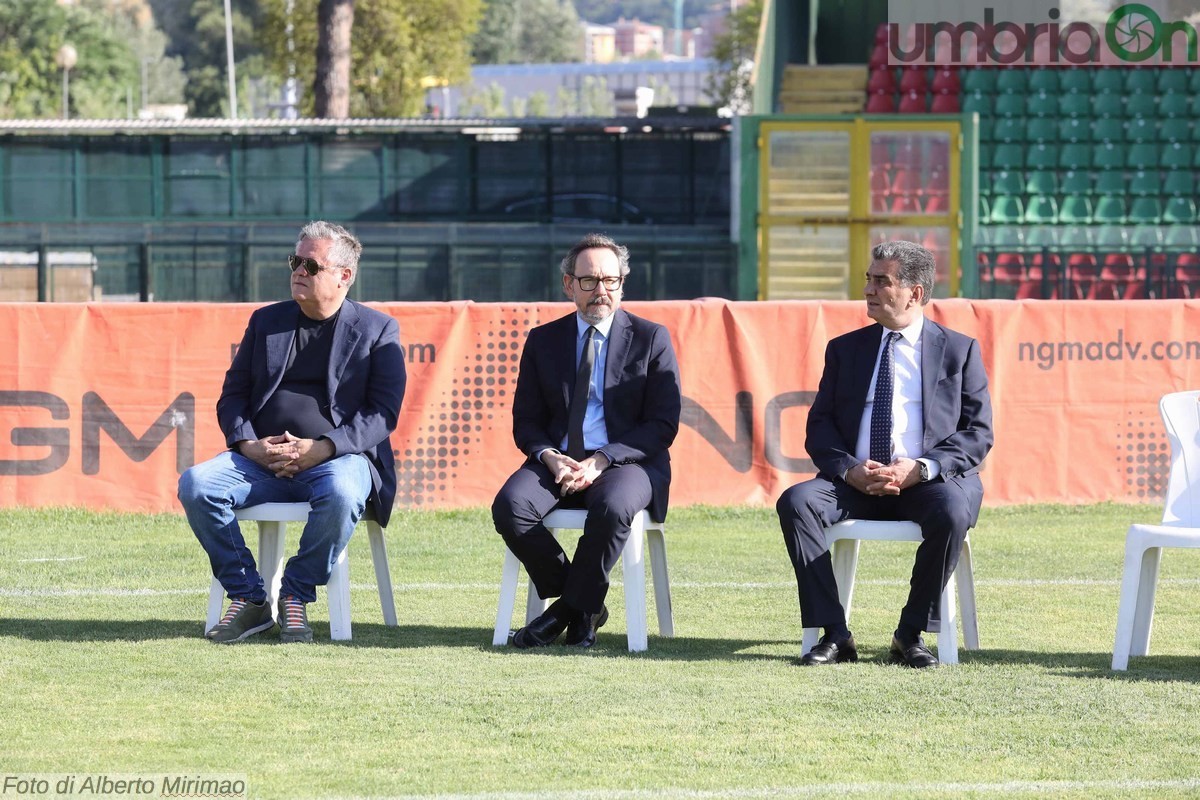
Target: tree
<point x="528" y="32"/>
<point x="730" y="84"/>
<point x="162" y="79"/>
<point x="331" y="89"/>
<point x="398" y="47"/>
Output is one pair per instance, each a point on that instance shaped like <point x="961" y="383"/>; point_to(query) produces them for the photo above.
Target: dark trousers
<point x="945" y="510"/>
<point x="611" y="502"/>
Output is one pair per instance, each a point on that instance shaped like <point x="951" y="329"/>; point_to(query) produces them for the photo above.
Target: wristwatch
<point x="924" y="471"/>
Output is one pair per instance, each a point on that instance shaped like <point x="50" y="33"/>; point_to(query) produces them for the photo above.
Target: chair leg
<point x="338" y="594"/>
<point x="845" y="565"/>
<point x="948" y="635"/>
<point x="809" y="640"/>
<point x="383" y="575"/>
<point x="965" y="575"/>
<point x="271" y="538"/>
<point x="634" y="570"/>
<point x="657" y="542"/>
<point x="216" y="598"/>
<point x="1143" y="616"/>
<point x="508" y="598"/>
<point x="1127" y="609"/>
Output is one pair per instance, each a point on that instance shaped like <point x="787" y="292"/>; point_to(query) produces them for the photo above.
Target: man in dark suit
<point x="901" y="422"/>
<point x="308" y="404"/>
<point x="596" y="406"/>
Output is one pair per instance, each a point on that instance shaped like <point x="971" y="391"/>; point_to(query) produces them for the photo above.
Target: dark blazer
<point x="642" y="397"/>
<point x="366" y="385"/>
<point x="954" y="397"/>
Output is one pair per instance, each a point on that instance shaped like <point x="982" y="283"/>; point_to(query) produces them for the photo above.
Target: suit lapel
<point x="345" y="338"/>
<point x="279" y="346"/>
<point x="620" y="337"/>
<point x="865" y="356"/>
<point x="565" y="356"/>
<point x="933" y="346"/>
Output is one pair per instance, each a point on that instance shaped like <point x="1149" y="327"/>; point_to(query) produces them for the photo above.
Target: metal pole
<point x="233" y="106"/>
<point x="66" y="93"/>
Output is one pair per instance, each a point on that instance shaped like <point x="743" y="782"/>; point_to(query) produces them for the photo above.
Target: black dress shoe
<point x="541" y="632"/>
<point x="831" y="651"/>
<point x="915" y="655"/>
<point x="581" y="632"/>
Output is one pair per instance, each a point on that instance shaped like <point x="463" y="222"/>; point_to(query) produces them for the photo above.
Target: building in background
<point x="637" y="39"/>
<point x="599" y="43"/>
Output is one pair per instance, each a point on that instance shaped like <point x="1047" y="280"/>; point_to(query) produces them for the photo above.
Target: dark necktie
<point x="579" y="400"/>
<point x="881" y="409"/>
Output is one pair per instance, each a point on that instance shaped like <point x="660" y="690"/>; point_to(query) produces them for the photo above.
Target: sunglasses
<point x="309" y="265"/>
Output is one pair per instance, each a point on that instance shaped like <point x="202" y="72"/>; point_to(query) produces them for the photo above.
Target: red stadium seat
<point x="946" y="81"/>
<point x="914" y="80"/>
<point x="881" y="104"/>
<point x="945" y="104"/>
<point x="882" y="81"/>
<point x="913" y="103"/>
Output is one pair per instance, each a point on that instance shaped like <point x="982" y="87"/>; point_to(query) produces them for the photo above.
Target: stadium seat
<point x="1141" y="156"/>
<point x="1074" y="129"/>
<point x="1141" y="130"/>
<point x="1043" y="80"/>
<point x="905" y="181"/>
<point x="272" y="519"/>
<point x="1008" y="156"/>
<point x="944" y="104"/>
<point x="1076" y="182"/>
<point x="1075" y="210"/>
<point x="907" y="204"/>
<point x="880" y="104"/>
<point x="1109" y="182"/>
<point x="1114" y="156"/>
<point x="1007" y="210"/>
<point x="843" y="539"/>
<point x="1009" y="129"/>
<point x="1174" y="130"/>
<point x="1074" y="80"/>
<point x="914" y="80"/>
<point x="937" y="204"/>
<point x="1144" y="183"/>
<point x="1041" y="210"/>
<point x="879" y="56"/>
<point x="1143" y="106"/>
<point x="1042" y="156"/>
<point x="1176" y="156"/>
<point x="913" y="103"/>
<point x="1012" y="81"/>
<point x="1075" y="105"/>
<point x="1141" y="81"/>
<point x="1179" y="184"/>
<point x="1041" y="182"/>
<point x="1075" y="156"/>
<point x="1041" y="130"/>
<point x="1172" y="81"/>
<point x="1041" y="105"/>
<point x="978" y="103"/>
<point x="1110" y="210"/>
<point x="1180" y="527"/>
<point x="1103" y="106"/>
<point x="634" y="575"/>
<point x="1108" y="131"/>
<point x="1009" y="105"/>
<point x="946" y="81"/>
<point x="1174" y="105"/>
<point x="1108" y="81"/>
<point x="1180" y="211"/>
<point x="1145" y="210"/>
<point x="1185" y="278"/>
<point x="979" y="81"/>
<point x="882" y="81"/>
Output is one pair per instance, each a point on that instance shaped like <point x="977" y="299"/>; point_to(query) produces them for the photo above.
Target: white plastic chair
<point x="272" y="519"/>
<point x="1180" y="527"/>
<point x="633" y="568"/>
<point x="843" y="540"/>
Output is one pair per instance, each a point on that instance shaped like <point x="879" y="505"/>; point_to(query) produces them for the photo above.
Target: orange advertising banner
<point x="104" y="406"/>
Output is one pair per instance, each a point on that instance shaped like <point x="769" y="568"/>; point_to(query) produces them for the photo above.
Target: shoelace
<point x="293" y="610"/>
<point x="235" y="608"/>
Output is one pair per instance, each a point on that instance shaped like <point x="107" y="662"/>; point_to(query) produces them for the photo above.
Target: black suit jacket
<point x="642" y="397"/>
<point x="366" y="380"/>
<point x="956" y="406"/>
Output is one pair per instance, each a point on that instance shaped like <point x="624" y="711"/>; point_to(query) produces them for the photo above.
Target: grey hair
<point x="915" y="264"/>
<point x="344" y="249"/>
<point x="589" y="242"/>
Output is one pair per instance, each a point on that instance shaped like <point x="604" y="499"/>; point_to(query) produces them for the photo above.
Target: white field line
<point x="458" y="587"/>
<point x="43" y="560"/>
<point x="889" y="789"/>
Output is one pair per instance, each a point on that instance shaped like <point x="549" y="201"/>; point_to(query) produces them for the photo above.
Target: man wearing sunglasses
<point x="596" y="406"/>
<point x="307" y="406"/>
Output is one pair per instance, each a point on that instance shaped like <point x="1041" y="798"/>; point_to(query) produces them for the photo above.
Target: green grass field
<point x="104" y="670"/>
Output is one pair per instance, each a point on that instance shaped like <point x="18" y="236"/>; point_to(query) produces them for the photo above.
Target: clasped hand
<point x="574" y="476"/>
<point x="285" y="454"/>
<point x="874" y="478"/>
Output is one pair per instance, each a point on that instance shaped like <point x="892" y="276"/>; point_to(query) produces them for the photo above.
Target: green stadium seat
<point x="1176" y="156"/>
<point x="1042" y="156"/>
<point x="1074" y="80"/>
<point x="982" y="81"/>
<point x="1009" y="129"/>
<point x="978" y="103"/>
<point x="1142" y="156"/>
<point x="1041" y="104"/>
<point x="1108" y="81"/>
<point x="985" y="209"/>
<point x="1174" y="105"/>
<point x="1141" y="129"/>
<point x="1009" y="105"/>
<point x="1075" y="209"/>
<point x="1076" y="182"/>
<point x="1196" y="162"/>
<point x="1043" y="80"/>
<point x="1141" y="81"/>
<point x="1042" y="210"/>
<point x="1041" y="130"/>
<point x="1112" y="156"/>
<point x="1193" y="105"/>
<point x="1110" y="181"/>
<point x="1007" y="209"/>
<point x="1172" y="81"/>
<point x="1140" y="106"/>
<point x="1145" y="183"/>
<point x="1012" y="81"/>
<point x="1006" y="182"/>
<point x="1179" y="184"/>
<point x="1145" y="236"/>
<point x="1110" y="210"/>
<point x="1075" y="237"/>
<point x="1146" y="210"/>
<point x="1075" y="105"/>
<point x="1041" y="181"/>
<point x="1075" y="156"/>
<point x="1110" y="238"/>
<point x="1181" y="237"/>
<point x="1175" y="129"/>
<point x="1108" y="131"/>
<point x="1104" y="106"/>
<point x="1008" y="156"/>
<point x="1180" y="211"/>
<point x="1074" y="129"/>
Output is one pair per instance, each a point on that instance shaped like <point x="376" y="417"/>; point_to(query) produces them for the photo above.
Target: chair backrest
<point x="1181" y="416"/>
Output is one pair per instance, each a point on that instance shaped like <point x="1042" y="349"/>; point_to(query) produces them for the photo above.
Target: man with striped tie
<point x="900" y="424"/>
<point x="596" y="406"/>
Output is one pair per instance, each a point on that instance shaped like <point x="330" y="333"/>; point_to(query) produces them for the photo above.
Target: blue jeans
<point x="211" y="491"/>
